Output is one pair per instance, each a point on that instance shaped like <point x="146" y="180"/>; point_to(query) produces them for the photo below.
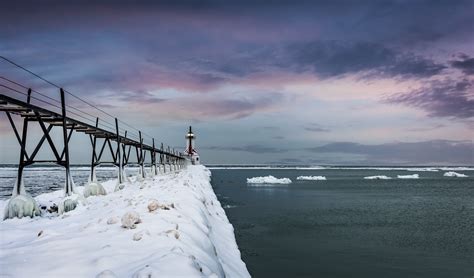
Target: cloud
<point x="429" y="152"/>
<point x="463" y="63"/>
<point x="445" y="98"/>
<point x="337" y="58"/>
<point x="316" y="128"/>
<point x="259" y="149"/>
<point x="426" y="128"/>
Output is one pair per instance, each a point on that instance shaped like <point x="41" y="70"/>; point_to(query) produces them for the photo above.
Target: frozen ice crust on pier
<point x="173" y="226"/>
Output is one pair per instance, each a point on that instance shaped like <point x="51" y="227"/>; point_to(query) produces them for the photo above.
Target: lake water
<point x="347" y="226"/>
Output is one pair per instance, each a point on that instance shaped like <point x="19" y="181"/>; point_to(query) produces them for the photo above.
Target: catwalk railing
<point x="48" y="112"/>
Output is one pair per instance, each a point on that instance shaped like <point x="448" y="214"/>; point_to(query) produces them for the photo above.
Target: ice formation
<point x="414" y="176"/>
<point x="93" y="187"/>
<point x="377" y="178"/>
<point x="311" y="178"/>
<point x="454" y="174"/>
<point x="22" y="204"/>
<point x="269" y="180"/>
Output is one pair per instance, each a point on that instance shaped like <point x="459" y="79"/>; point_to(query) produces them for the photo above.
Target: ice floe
<point x="414" y="176"/>
<point x="311" y="178"/>
<point x="377" y="178"/>
<point x="268" y="180"/>
<point x="454" y="174"/>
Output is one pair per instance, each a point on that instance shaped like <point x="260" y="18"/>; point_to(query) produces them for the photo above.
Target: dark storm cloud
<point x="436" y="151"/>
<point x="446" y="98"/>
<point x="464" y="63"/>
<point x="336" y="58"/>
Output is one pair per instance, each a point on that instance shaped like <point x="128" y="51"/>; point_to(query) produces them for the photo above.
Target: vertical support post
<point x="153" y="159"/>
<point x="94" y="155"/>
<point x="21" y="165"/>
<point x="118" y="157"/>
<point x="68" y="189"/>
<point x="141" y="154"/>
<point x="162" y="158"/>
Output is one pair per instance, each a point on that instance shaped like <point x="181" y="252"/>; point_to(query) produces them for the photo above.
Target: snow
<point x="414" y="176"/>
<point x="186" y="233"/>
<point x="454" y="174"/>
<point x="268" y="180"/>
<point x="377" y="178"/>
<point x="311" y="178"/>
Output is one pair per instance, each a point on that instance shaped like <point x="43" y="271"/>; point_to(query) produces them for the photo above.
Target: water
<point x="350" y="227"/>
<point x="42" y="179"/>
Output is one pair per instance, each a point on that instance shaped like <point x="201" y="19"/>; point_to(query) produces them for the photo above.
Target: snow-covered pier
<point x="50" y="113"/>
<point x="168" y="225"/>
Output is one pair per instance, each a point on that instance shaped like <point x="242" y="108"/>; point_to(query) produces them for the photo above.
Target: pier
<point x="54" y="112"/>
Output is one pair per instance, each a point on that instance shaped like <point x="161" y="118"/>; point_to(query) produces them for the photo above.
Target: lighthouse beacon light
<point x="190" y="151"/>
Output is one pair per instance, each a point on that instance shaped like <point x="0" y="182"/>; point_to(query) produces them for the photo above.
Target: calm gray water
<point x="350" y="227"/>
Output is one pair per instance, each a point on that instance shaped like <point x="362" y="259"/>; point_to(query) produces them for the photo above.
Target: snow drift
<point x="454" y="174"/>
<point x="311" y="178"/>
<point x="268" y="180"/>
<point x="414" y="176"/>
<point x="173" y="226"/>
<point x="377" y="178"/>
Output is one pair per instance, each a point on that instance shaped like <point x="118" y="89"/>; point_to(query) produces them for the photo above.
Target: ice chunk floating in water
<point x="454" y="174"/>
<point x="269" y="180"/>
<point x="377" y="178"/>
<point x="414" y="176"/>
<point x="311" y="178"/>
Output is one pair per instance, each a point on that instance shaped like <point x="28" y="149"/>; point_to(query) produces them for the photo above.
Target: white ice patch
<point x="311" y="178"/>
<point x="377" y="178"/>
<point x="454" y="174"/>
<point x="414" y="176"/>
<point x="268" y="180"/>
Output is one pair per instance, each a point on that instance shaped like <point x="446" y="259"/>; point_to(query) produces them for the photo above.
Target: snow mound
<point x="311" y="178"/>
<point x="414" y="176"/>
<point x="130" y="219"/>
<point x="377" y="178"/>
<point x="269" y="180"/>
<point x="454" y="174"/>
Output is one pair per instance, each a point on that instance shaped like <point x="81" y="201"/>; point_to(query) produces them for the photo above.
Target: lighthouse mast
<point x="190" y="137"/>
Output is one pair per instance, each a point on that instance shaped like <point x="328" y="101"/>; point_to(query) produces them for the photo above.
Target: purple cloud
<point x="464" y="63"/>
<point x="446" y="98"/>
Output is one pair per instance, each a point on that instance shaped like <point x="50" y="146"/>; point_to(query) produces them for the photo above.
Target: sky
<point x="281" y="82"/>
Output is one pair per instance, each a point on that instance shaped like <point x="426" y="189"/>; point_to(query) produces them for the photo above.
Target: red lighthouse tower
<point x="190" y="147"/>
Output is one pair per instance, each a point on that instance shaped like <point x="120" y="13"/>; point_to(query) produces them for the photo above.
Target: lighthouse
<point x="190" y="147"/>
